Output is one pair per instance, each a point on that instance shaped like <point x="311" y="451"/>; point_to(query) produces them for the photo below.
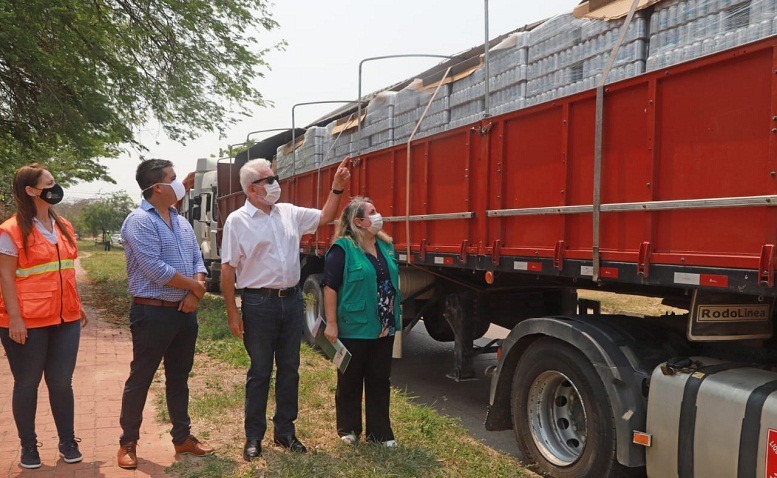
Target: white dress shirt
<point x="264" y="249"/>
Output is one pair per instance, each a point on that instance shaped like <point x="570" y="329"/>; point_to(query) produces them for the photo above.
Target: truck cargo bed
<point x="688" y="183"/>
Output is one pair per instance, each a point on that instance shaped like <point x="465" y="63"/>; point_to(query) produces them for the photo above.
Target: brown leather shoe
<point x="192" y="446"/>
<point x="127" y="457"/>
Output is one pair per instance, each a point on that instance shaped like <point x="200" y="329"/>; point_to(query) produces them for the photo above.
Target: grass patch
<point x="613" y="303"/>
<point x="430" y="444"/>
<point x="106" y="288"/>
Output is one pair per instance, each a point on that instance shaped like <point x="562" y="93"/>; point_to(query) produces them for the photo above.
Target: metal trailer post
<point x="597" y="199"/>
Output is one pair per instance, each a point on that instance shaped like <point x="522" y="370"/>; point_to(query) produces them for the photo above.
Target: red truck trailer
<point x="494" y="223"/>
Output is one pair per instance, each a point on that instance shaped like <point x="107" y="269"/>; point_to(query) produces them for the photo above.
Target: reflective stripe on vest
<point x="47" y="267"/>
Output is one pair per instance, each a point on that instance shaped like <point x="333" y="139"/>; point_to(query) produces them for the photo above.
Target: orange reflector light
<point x="489" y="277"/>
<point x="642" y="438"/>
<point x="499" y="353"/>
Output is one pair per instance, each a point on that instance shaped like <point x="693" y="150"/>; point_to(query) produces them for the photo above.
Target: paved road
<point x="422" y="373"/>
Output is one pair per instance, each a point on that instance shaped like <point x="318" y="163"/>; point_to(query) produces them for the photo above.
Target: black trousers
<point x="159" y="333"/>
<point x="370" y="370"/>
<point x="49" y="352"/>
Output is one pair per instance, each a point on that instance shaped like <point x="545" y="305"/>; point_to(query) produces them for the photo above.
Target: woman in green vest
<point x="361" y="301"/>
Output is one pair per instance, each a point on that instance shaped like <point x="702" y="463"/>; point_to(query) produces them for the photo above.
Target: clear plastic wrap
<point x="308" y="155"/>
<point x="568" y="55"/>
<point x="562" y="56"/>
<point x="685" y="30"/>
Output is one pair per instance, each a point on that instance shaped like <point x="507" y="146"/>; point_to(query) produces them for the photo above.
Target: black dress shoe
<point x="252" y="449"/>
<point x="291" y="443"/>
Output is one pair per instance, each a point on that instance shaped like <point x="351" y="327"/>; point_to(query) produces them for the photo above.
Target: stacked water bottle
<point x="685" y="30"/>
<point x="409" y="105"/>
<point x="562" y="56"/>
<point x="343" y="143"/>
<point x="568" y="55"/>
<point x="467" y="98"/>
<point x="308" y="156"/>
<point x="439" y="113"/>
<point x="508" y="73"/>
<point x="378" y="125"/>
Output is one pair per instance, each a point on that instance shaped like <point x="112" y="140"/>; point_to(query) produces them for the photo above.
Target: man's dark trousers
<point x="159" y="333"/>
<point x="272" y="328"/>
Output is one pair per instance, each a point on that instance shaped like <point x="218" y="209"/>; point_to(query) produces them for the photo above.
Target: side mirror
<point x="196" y="212"/>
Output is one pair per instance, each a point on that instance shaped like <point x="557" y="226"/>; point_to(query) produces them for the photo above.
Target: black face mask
<point x="52" y="195"/>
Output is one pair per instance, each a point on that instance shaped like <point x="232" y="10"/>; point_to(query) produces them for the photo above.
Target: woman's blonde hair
<point x="345" y="226"/>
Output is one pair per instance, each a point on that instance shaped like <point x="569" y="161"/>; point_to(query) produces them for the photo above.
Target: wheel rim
<point x="557" y="418"/>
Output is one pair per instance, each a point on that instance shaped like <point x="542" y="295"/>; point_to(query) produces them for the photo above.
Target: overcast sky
<point x="326" y="42"/>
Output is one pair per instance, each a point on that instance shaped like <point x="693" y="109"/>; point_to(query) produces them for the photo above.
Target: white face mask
<point x="376" y="223"/>
<point x="273" y="192"/>
<point x="178" y="188"/>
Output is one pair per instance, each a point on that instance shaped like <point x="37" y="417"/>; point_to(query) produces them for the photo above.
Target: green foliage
<point x="71" y="210"/>
<point x="106" y="214"/>
<point x="79" y="78"/>
<point x="108" y="281"/>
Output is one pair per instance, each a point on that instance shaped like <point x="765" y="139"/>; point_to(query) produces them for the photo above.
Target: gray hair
<point x="249" y="172"/>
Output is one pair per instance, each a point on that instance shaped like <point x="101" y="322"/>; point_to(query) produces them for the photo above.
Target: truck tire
<point x="213" y="281"/>
<point x="314" y="305"/>
<point x="440" y="330"/>
<point x="562" y="416"/>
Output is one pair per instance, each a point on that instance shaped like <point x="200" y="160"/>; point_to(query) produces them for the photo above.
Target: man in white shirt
<point x="260" y="247"/>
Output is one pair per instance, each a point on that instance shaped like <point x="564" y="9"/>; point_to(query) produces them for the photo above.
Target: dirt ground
<point x="629" y="304"/>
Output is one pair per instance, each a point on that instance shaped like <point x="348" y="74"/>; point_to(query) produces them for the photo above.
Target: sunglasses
<point x="269" y="179"/>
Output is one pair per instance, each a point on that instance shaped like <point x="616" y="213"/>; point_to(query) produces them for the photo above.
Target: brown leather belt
<point x="273" y="292"/>
<point x="156" y="302"/>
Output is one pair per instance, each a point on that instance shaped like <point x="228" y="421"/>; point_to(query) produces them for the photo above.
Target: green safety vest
<point x="357" y="299"/>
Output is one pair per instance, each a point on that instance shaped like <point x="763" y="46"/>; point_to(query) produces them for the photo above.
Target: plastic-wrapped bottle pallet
<point x="342" y="143"/>
<point x="568" y="55"/>
<point x="508" y="65"/>
<point x="686" y="30"/>
<point x="378" y="127"/>
<point x="308" y="156"/>
<point x="284" y="162"/>
<point x="409" y="105"/>
<point x="467" y="97"/>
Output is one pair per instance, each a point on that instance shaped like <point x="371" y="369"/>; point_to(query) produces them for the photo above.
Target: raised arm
<point x="332" y="205"/>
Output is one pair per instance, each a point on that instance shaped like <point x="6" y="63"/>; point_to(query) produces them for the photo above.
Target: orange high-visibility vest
<point x="45" y="278"/>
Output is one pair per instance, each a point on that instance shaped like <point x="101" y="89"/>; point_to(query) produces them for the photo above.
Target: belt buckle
<point x="282" y="293"/>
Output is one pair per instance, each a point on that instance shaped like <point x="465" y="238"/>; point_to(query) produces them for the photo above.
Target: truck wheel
<point x="436" y="326"/>
<point x="440" y="330"/>
<point x="213" y="281"/>
<point x="561" y="414"/>
<point x="214" y="284"/>
<point x="314" y="304"/>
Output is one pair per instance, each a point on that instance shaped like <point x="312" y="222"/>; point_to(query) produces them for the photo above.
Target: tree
<point x="71" y="210"/>
<point x="78" y="78"/>
<point x="106" y="214"/>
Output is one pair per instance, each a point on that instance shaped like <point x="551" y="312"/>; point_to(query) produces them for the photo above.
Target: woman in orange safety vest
<point x="40" y="311"/>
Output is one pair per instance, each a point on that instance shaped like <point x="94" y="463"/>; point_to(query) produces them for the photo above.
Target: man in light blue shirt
<point x="166" y="280"/>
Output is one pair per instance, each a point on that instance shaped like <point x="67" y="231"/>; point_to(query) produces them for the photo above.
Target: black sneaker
<point x="30" y="457"/>
<point x="69" y="451"/>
